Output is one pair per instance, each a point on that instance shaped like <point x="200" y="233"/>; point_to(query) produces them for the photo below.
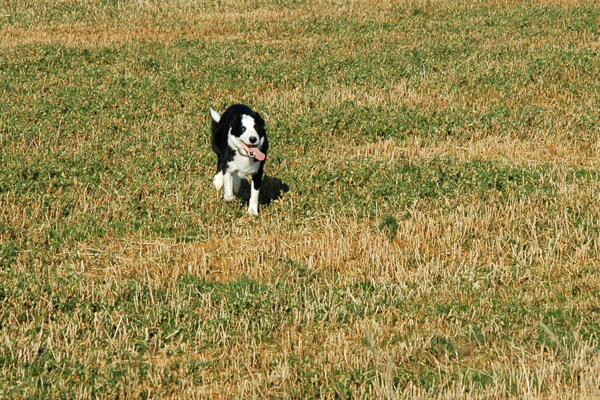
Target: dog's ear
<point x="259" y="120"/>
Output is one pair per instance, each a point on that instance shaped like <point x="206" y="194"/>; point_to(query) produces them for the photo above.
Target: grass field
<point x="429" y="226"/>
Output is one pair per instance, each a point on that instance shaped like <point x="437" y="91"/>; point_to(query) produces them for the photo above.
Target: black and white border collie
<point x="240" y="141"/>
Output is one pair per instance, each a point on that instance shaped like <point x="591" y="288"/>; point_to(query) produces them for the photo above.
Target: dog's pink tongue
<point x="256" y="153"/>
<point x="259" y="155"/>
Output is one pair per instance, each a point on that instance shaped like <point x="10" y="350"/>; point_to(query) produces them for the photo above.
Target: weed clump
<point x="389" y="226"/>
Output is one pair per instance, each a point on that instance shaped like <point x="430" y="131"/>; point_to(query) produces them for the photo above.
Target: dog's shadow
<point x="270" y="189"/>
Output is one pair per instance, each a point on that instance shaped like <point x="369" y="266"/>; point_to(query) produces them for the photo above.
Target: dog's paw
<point x="229" y="199"/>
<point x="218" y="180"/>
<point x="252" y="210"/>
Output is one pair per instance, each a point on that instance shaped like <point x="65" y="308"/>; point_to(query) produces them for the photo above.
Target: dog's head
<point x="249" y="129"/>
<point x="246" y="133"/>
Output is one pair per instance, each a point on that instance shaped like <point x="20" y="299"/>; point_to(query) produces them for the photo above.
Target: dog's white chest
<point x="244" y="166"/>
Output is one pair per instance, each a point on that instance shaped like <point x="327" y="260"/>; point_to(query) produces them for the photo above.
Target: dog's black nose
<point x="252" y="139"/>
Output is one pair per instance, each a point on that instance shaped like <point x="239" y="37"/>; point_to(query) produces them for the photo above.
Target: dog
<point x="240" y="141"/>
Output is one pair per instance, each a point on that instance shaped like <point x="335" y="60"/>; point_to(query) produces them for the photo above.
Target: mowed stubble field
<point x="429" y="227"/>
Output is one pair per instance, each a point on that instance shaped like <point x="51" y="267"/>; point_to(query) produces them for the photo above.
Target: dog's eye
<point x="243" y="129"/>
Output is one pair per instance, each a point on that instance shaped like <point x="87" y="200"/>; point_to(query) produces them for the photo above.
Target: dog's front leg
<point x="253" y="207"/>
<point x="228" y="186"/>
<point x="255" y="184"/>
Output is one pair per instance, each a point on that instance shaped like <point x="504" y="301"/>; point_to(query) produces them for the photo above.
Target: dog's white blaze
<point x="215" y="115"/>
<point x="248" y="123"/>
